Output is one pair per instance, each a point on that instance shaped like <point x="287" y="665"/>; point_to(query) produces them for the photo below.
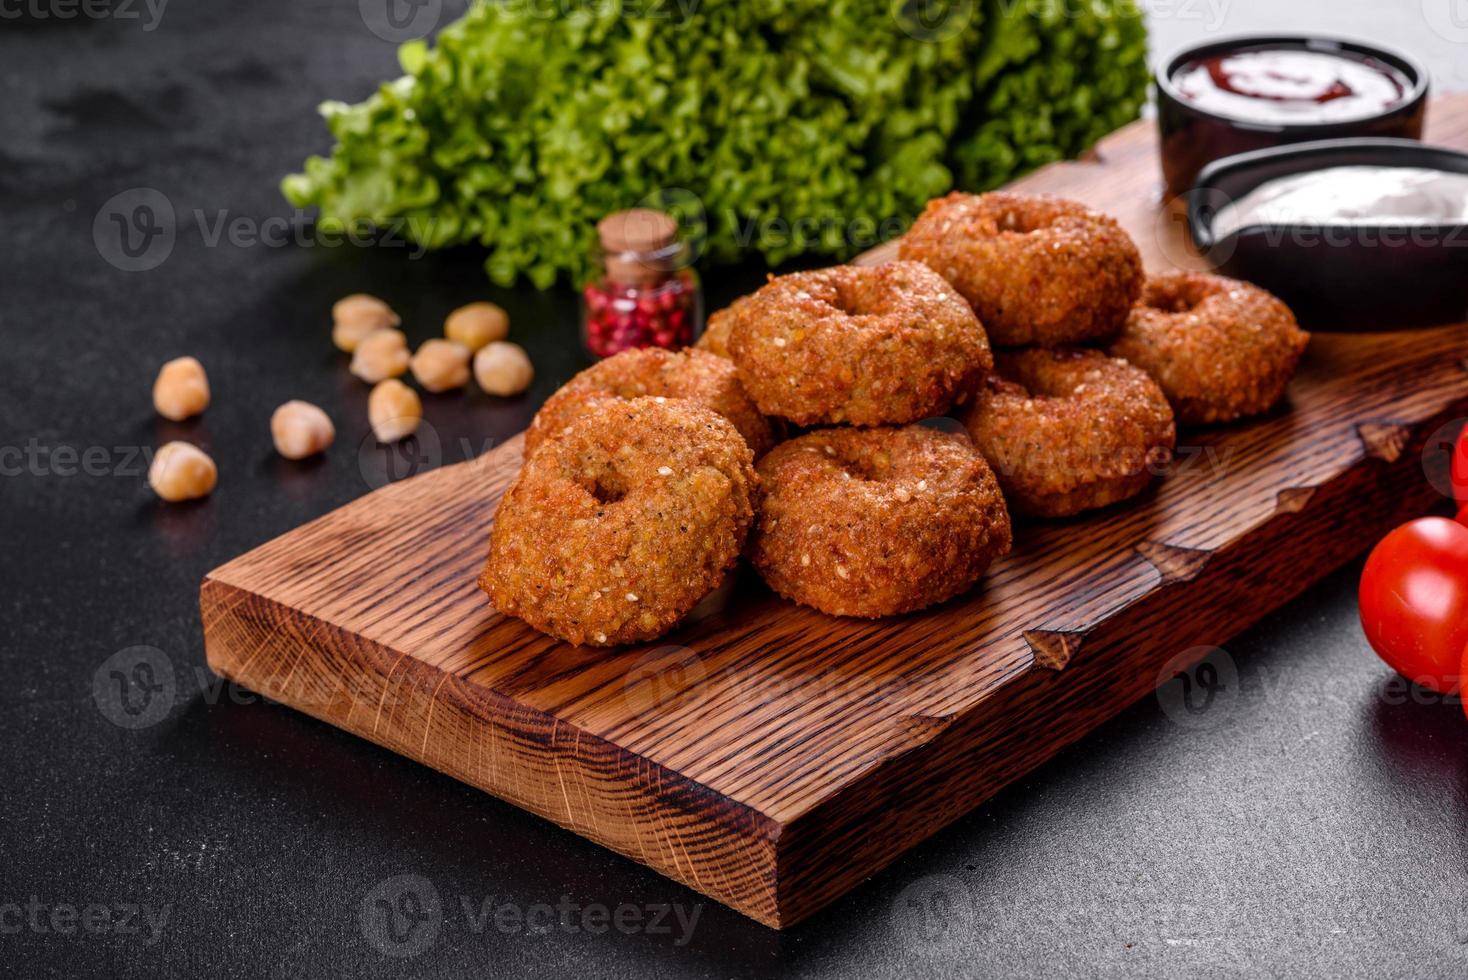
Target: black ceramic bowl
<point x="1342" y="277"/>
<point x="1192" y="137"/>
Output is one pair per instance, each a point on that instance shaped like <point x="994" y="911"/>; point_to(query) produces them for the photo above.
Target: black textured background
<point x="1310" y="822"/>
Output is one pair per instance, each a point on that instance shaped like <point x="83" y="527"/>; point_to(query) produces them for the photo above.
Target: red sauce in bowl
<point x="1291" y="85"/>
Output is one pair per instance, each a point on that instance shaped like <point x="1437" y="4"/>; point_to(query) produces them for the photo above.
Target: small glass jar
<point x="644" y="292"/>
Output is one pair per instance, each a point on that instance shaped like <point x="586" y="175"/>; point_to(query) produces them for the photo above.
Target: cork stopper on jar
<point x="638" y="244"/>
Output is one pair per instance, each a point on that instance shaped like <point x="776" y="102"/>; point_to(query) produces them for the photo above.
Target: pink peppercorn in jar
<point x="645" y="294"/>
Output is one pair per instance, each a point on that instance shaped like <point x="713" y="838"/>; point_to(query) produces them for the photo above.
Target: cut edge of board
<point x="399" y="687"/>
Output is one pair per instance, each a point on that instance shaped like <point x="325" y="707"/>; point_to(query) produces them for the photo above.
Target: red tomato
<point x="1414" y="601"/>
<point x="1462" y="517"/>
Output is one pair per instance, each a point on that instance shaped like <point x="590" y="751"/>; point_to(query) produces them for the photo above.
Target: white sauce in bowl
<point x="1351" y="196"/>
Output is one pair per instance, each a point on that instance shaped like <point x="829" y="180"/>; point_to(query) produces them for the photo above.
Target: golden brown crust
<point x="1037" y="270"/>
<point x="617" y="527"/>
<point x="1221" y="349"/>
<point x="876" y="522"/>
<point x="862" y="346"/>
<point x="1068" y="431"/>
<point x="715" y="337"/>
<point x="693" y="375"/>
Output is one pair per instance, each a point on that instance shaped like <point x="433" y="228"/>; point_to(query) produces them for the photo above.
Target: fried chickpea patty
<point x="693" y="375"/>
<point x="875" y="522"/>
<point x="1070" y="430"/>
<point x="1221" y="349"/>
<point x="1037" y="270"/>
<point x="715" y="338"/>
<point x="617" y="527"/>
<point x="863" y="346"/>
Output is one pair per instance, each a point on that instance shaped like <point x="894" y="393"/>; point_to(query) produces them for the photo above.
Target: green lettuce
<point x="782" y="127"/>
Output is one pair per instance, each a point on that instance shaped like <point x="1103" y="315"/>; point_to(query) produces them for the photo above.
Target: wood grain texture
<point x="772" y="757"/>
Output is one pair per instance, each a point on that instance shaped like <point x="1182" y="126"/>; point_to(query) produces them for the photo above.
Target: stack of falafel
<point x="650" y="474"/>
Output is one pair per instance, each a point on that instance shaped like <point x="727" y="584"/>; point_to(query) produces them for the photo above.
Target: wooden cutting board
<point x="772" y="757"/>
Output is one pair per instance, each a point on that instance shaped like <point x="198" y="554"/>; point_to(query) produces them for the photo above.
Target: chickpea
<point x="441" y="364"/>
<point x="477" y="324"/>
<point x="300" y="429"/>
<point x="394" y="410"/>
<point x="354" y="317"/>
<point x="181" y="390"/>
<point x="181" y="471"/>
<point x="381" y="354"/>
<point x="502" y="368"/>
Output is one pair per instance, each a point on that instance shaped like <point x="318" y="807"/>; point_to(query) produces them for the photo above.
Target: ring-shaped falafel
<point x="876" y="522"/>
<point x="618" y="526"/>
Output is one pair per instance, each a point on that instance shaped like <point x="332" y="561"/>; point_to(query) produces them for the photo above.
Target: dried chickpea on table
<point x="366" y="327"/>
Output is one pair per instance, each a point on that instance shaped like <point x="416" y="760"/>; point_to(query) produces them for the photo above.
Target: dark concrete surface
<point x="1309" y="822"/>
